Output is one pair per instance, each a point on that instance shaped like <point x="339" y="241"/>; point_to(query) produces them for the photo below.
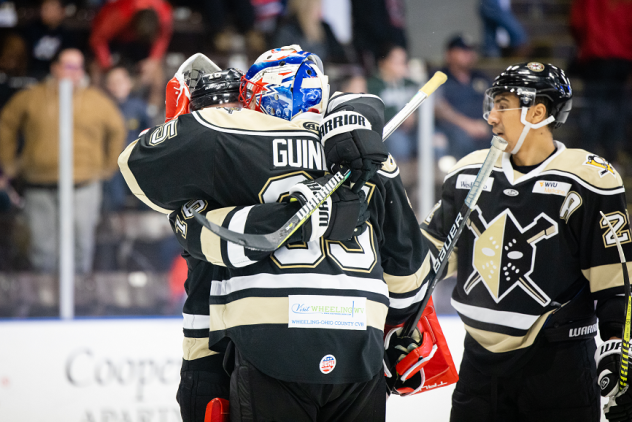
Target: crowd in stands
<point x="117" y="54"/>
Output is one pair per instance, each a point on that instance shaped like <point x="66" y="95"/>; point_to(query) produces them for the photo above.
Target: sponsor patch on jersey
<point x="535" y="66"/>
<point x="600" y="163"/>
<point x="510" y="192"/>
<point x="551" y="187"/>
<point x="332" y="312"/>
<point x="466" y="181"/>
<point x="313" y="126"/>
<point x="327" y="364"/>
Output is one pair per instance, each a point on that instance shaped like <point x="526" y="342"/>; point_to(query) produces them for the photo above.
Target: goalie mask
<point x="285" y="82"/>
<point x="529" y="81"/>
<point x="216" y="88"/>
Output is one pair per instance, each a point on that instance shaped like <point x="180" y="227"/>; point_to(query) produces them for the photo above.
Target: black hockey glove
<point x="201" y="380"/>
<point x="351" y="135"/>
<point x="343" y="215"/>
<point x="404" y="358"/>
<point x="608" y="357"/>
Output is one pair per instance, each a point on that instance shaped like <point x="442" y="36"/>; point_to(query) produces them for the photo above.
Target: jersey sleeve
<point x="401" y="249"/>
<point x="599" y="257"/>
<point x="202" y="244"/>
<point x="161" y="164"/>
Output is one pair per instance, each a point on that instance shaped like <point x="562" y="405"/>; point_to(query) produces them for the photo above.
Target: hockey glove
<point x="351" y="135"/>
<point x="342" y="215"/>
<point x="608" y="357"/>
<point x="404" y="358"/>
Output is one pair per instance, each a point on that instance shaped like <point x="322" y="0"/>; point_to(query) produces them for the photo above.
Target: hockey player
<point x="535" y="255"/>
<point x="303" y="326"/>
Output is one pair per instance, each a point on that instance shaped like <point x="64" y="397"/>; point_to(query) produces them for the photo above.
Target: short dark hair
<point x="146" y="25"/>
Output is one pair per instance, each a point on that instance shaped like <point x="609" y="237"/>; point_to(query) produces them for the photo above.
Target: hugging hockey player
<point x="301" y="328"/>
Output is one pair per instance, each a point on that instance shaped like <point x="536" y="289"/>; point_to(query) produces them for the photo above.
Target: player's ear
<point x="538" y="113"/>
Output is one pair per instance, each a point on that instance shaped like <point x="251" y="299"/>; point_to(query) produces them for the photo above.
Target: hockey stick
<point x="273" y="241"/>
<point x="625" y="342"/>
<point x="497" y="147"/>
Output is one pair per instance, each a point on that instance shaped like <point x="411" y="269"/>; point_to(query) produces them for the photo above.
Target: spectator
<point x="304" y="26"/>
<point x="377" y="23"/>
<point x="12" y="67"/>
<point x="355" y="83"/>
<point x="395" y="89"/>
<point x="134" y="110"/>
<point x="458" y="105"/>
<point x="99" y="133"/>
<point x="603" y="31"/>
<point x="46" y="36"/>
<point x="138" y="31"/>
<point x="497" y="14"/>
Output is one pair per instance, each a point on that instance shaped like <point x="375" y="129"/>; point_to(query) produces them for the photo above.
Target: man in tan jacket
<point x="99" y="134"/>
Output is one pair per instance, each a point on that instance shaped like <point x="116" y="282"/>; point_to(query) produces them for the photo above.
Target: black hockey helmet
<point x="531" y="80"/>
<point x="216" y="88"/>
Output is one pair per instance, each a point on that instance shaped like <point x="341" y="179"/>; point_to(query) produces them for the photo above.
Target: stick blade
<point x="269" y="242"/>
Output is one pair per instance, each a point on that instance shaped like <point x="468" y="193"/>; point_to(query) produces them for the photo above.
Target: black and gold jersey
<point x="308" y="312"/>
<point x="534" y="244"/>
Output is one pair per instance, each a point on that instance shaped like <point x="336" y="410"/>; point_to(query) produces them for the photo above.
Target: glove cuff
<point x="342" y="122"/>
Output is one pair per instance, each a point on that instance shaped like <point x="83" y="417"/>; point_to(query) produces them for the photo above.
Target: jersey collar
<point x="509" y="170"/>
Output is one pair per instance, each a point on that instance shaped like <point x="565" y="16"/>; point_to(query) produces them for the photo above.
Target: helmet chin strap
<point x="527" y="127"/>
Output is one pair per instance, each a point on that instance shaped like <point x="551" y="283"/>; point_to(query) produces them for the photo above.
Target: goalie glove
<point x="178" y="95"/>
<point x="342" y="215"/>
<point x="607" y="358"/>
<point x="351" y="134"/>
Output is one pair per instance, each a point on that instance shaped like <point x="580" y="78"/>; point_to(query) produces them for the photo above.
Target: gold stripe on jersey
<point x="274" y="310"/>
<point x="573" y="161"/>
<point x="501" y="343"/>
<point x="210" y="243"/>
<point x="452" y="260"/>
<point x="253" y="121"/>
<point x="476" y="157"/>
<point x="196" y="348"/>
<point x="606" y="276"/>
<point x="131" y="180"/>
<point x="408" y="283"/>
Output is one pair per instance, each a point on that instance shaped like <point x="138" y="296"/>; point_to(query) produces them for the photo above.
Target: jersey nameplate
<point x="297" y="153"/>
<point x="466" y="181"/>
<point x="552" y="188"/>
<point x="332" y="312"/>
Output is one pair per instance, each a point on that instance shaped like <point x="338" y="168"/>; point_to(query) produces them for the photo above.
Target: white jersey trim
<point x="409" y="301"/>
<point x="196" y="322"/>
<point x="389" y="175"/>
<point x="509" y="170"/>
<point x="236" y="253"/>
<point x="298" y="281"/>
<point x="341" y="99"/>
<point x="253" y="133"/>
<point x="490" y="316"/>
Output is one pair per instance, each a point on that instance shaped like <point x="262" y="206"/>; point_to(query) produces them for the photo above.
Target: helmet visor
<point x="494" y="101"/>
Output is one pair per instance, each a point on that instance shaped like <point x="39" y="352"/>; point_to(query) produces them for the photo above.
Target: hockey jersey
<point x="309" y="312"/>
<point x="535" y="253"/>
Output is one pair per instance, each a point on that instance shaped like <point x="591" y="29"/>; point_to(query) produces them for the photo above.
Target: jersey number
<point x="618" y="221"/>
<point x="356" y="255"/>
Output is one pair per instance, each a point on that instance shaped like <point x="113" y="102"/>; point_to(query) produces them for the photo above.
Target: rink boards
<point x="127" y="370"/>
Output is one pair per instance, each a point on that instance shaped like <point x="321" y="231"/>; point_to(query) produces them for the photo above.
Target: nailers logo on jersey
<point x="504" y="254"/>
<point x="600" y="163"/>
<point x="551" y="187"/>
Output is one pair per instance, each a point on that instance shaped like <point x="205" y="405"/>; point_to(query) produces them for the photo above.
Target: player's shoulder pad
<point x="340" y="99"/>
<point x="590" y="167"/>
<point x="472" y="160"/>
<point x="246" y="120"/>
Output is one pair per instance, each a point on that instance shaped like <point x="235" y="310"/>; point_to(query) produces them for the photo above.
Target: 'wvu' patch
<point x="600" y="163"/>
<point x="551" y="187"/>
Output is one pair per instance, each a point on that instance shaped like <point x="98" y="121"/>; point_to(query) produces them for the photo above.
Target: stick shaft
<point x="498" y="146"/>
